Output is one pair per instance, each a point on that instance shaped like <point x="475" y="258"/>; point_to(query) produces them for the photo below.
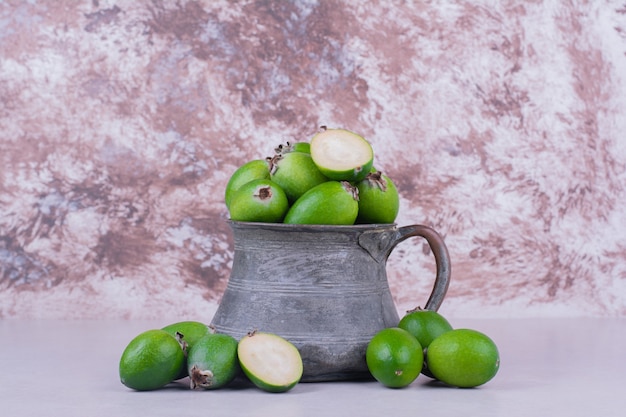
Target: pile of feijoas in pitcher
<point x="329" y="180"/>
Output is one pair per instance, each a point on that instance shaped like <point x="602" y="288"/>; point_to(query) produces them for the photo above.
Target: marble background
<point x="502" y="123"/>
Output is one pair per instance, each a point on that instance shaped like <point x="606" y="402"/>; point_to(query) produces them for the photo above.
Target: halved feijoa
<point x="295" y="173"/>
<point x="151" y="360"/>
<point x="379" y="201"/>
<point x="332" y="202"/>
<point x="259" y="201"/>
<point x="187" y="333"/>
<point x="251" y="170"/>
<point x="341" y="154"/>
<point x="212" y="361"/>
<point x="271" y="362"/>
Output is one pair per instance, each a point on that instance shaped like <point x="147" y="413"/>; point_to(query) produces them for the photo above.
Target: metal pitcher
<point x="324" y="288"/>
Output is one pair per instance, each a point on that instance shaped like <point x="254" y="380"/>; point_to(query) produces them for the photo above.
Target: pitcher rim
<point x="312" y="227"/>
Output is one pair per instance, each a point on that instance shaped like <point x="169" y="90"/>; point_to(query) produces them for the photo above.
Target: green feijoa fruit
<point x="271" y="362"/>
<point x="342" y="155"/>
<point x="295" y="173"/>
<point x="187" y="333"/>
<point x="463" y="358"/>
<point x="251" y="170"/>
<point x="379" y="201"/>
<point x="259" y="201"/>
<point x="293" y="147"/>
<point x="425" y="325"/>
<point x="332" y="202"/>
<point x="394" y="357"/>
<point x="212" y="361"/>
<point x="151" y="360"/>
<point x="301" y="147"/>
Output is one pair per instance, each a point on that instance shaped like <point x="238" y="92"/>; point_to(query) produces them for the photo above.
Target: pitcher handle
<point x="442" y="260"/>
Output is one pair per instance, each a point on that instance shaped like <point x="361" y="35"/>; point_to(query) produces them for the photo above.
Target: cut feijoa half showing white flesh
<point x="271" y="362"/>
<point x="342" y="155"/>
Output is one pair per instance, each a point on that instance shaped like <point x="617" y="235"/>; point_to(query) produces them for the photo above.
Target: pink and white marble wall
<point x="502" y="122"/>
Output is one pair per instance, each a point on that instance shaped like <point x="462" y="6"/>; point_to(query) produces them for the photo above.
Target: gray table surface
<point x="549" y="367"/>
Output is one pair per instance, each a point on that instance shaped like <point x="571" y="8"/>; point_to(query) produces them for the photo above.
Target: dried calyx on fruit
<point x="292" y="147"/>
<point x="379" y="201"/>
<point x="295" y="173"/>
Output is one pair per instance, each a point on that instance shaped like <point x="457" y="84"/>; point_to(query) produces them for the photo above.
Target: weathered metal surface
<point x="323" y="288"/>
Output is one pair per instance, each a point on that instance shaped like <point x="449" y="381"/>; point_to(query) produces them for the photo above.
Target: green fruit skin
<point x="251" y="170"/>
<point x="408" y="357"/>
<point x="376" y="204"/>
<point x="296" y="173"/>
<point x="293" y="147"/>
<point x="425" y="325"/>
<point x="216" y="352"/>
<point x="301" y="147"/>
<point x="353" y="175"/>
<point x="264" y="385"/>
<point x="328" y="203"/>
<point x="151" y="360"/>
<point x="192" y="331"/>
<point x="248" y="206"/>
<point x="480" y="361"/>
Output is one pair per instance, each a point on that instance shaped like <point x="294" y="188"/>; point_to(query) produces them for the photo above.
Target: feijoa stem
<point x="200" y="378"/>
<point x="273" y="162"/>
<point x="351" y="189"/>
<point x="180" y="338"/>
<point x="376" y="178"/>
